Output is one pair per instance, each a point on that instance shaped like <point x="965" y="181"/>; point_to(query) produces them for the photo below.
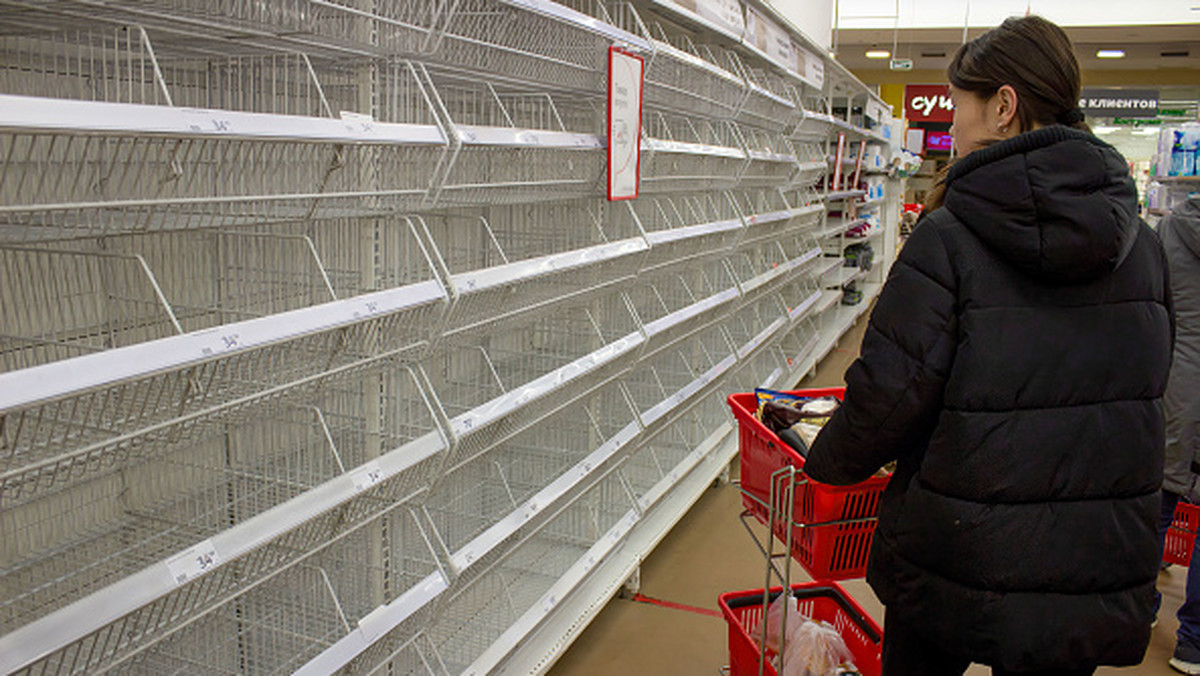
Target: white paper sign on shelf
<point x="725" y="14"/>
<point x="769" y="38"/>
<point x="624" y="123"/>
<point x="875" y="110"/>
<point x="809" y="67"/>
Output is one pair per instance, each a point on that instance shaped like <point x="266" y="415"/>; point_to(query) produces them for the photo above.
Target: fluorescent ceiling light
<point x="878" y="54"/>
<point x="1104" y="130"/>
<point x="1110" y="54"/>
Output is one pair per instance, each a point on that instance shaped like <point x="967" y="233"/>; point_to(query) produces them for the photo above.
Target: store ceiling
<point x="932" y="48"/>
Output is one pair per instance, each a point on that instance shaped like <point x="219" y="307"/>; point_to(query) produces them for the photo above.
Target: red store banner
<point x="928" y="103"/>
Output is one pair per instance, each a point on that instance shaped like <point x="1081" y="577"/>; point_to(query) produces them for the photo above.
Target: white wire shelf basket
<point x="670" y="380"/>
<point x="675" y="304"/>
<point x="516" y="589"/>
<point x="488" y="499"/>
<point x="333" y="28"/>
<point x="506" y="262"/>
<point x="516" y="143"/>
<point x="79" y="168"/>
<point x="762" y="267"/>
<point x="497" y="384"/>
<point x="768" y="104"/>
<point x="760" y="369"/>
<point x="58" y="303"/>
<point x="665" y="454"/>
<point x="769" y="216"/>
<point x="689" y="79"/>
<point x="687" y="227"/>
<point x="800" y="295"/>
<point x="811" y="165"/>
<point x="799" y="341"/>
<point x="772" y="160"/>
<point x="682" y="154"/>
<point x="757" y="324"/>
<point x="527" y="510"/>
<point x="166" y="539"/>
<point x="559" y="46"/>
<point x="291" y="618"/>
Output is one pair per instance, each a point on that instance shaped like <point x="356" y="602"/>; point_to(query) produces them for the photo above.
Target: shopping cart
<point x="831" y="527"/>
<point x="1181" y="536"/>
<point x="823" y="601"/>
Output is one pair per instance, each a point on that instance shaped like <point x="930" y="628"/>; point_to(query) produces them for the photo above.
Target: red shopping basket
<point x="835" y="551"/>
<point x="1181" y="536"/>
<point x="819" y="600"/>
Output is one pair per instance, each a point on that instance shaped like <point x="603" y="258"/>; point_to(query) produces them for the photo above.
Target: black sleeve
<point x="894" y="389"/>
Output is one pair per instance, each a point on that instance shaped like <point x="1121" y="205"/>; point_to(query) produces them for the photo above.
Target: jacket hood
<point x="1186" y="219"/>
<point x="1056" y="203"/>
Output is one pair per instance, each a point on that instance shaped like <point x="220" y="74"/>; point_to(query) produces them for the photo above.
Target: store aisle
<point x="675" y="627"/>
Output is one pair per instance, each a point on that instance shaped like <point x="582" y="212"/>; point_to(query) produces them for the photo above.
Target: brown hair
<point x="1034" y="57"/>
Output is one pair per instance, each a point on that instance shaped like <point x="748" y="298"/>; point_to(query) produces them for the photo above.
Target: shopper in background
<point x="1014" y="367"/>
<point x="1180" y="233"/>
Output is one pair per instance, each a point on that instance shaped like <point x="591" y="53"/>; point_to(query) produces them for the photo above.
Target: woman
<point x="1013" y="367"/>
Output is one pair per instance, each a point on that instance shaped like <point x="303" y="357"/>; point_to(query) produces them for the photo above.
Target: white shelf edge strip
<point x="680" y="147"/>
<point x="662" y="408"/>
<point x="29" y="113"/>
<point x="75" y="621"/>
<point x="543" y="499"/>
<point x="763" y="91"/>
<point x="374" y="625"/>
<point x="690" y="312"/>
<point x="536" y="138"/>
<point x="687" y="232"/>
<point x="767" y="156"/>
<point x="581" y="20"/>
<point x="798" y="311"/>
<point x="77" y="374"/>
<point x="478" y="280"/>
<point x="764" y="335"/>
<point x="507" y="403"/>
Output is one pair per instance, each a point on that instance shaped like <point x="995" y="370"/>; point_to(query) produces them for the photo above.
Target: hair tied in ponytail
<point x="1071" y="117"/>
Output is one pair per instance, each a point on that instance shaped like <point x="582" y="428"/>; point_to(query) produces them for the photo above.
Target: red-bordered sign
<point x="625" y="76"/>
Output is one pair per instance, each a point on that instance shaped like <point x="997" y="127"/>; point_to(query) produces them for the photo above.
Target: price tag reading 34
<point x="624" y="123"/>
<point x="194" y="562"/>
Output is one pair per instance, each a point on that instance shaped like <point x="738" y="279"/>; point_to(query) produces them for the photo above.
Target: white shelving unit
<point x="321" y="349"/>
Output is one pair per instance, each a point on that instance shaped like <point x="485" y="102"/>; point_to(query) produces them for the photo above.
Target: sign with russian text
<point x="726" y="14"/>
<point x="769" y="38"/>
<point x="1119" y="102"/>
<point x="624" y="123"/>
<point x="809" y="67"/>
<point x="928" y="103"/>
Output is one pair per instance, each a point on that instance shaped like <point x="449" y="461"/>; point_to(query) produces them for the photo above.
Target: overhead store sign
<point x="624" y="123"/>
<point x="1119" y="102"/>
<point x="928" y="103"/>
<point x="809" y="67"/>
<point x="769" y="38"/>
<point x="724" y="14"/>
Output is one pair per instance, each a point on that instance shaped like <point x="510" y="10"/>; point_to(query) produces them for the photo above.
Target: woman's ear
<point x="1005" y="101"/>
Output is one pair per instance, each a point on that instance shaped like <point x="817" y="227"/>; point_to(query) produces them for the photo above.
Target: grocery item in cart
<point x="812" y="647"/>
<point x="795" y="420"/>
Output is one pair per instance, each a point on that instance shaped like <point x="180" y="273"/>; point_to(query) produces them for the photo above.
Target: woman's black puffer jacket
<point x="1014" y="367"/>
